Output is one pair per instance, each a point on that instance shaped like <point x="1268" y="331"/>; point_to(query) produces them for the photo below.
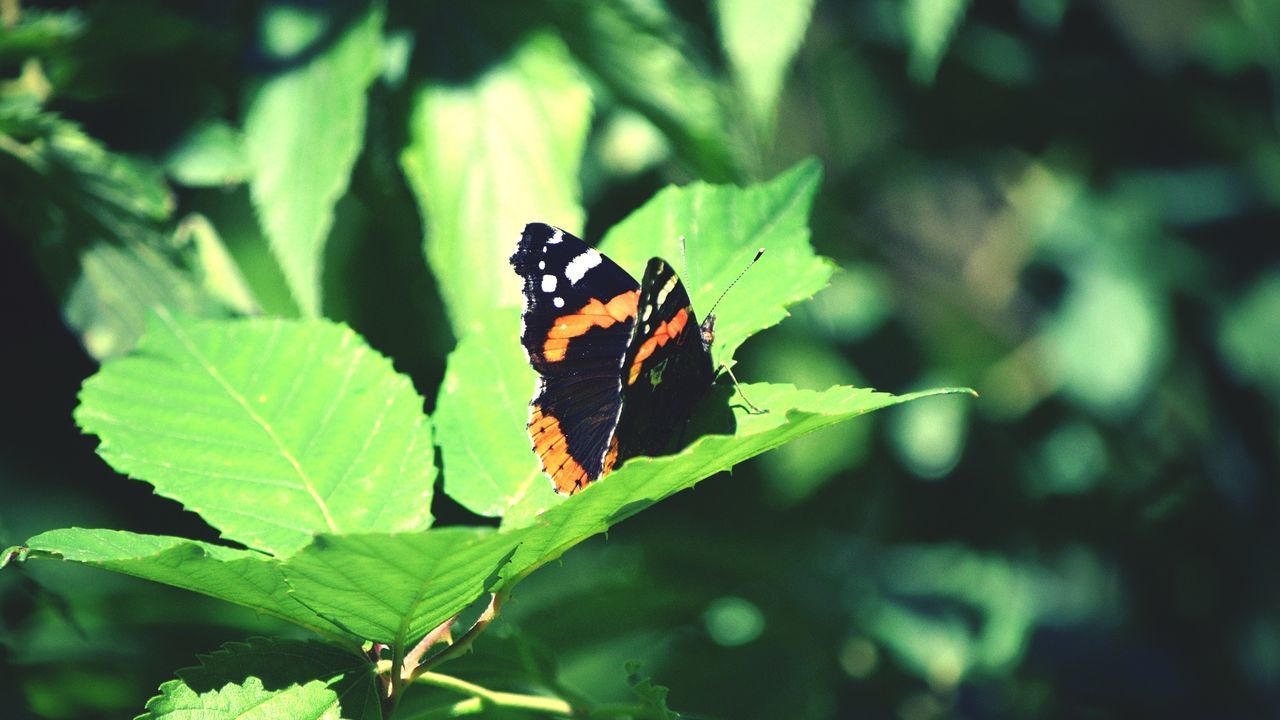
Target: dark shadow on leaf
<point x="628" y="510"/>
<point x="713" y="416"/>
<point x="280" y="664"/>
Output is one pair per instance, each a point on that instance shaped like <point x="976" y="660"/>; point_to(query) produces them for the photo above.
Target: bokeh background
<point x="1073" y="207"/>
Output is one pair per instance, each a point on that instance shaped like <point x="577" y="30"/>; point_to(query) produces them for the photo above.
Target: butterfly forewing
<point x="580" y="308"/>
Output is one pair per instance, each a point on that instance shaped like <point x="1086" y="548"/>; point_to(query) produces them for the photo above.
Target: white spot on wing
<point x="548" y="283"/>
<point x="556" y="237"/>
<point x="578" y="267"/>
<point x="557" y="301"/>
<point x="542" y="264"/>
<point x="666" y="290"/>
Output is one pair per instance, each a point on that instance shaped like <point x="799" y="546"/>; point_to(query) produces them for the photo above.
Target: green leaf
<point x="643" y="481"/>
<point x="120" y="285"/>
<point x="96" y="224"/>
<point x="271" y="430"/>
<point x="246" y="700"/>
<point x="217" y="272"/>
<point x="211" y="155"/>
<point x="243" y="577"/>
<point x="930" y="26"/>
<point x="390" y="588"/>
<point x="487" y="384"/>
<point x="395" y="588"/>
<point x="761" y="37"/>
<point x="637" y="49"/>
<point x="39" y="33"/>
<point x="723" y="227"/>
<point x="653" y="698"/>
<point x="305" y="126"/>
<point x="265" y="678"/>
<point x="489" y="155"/>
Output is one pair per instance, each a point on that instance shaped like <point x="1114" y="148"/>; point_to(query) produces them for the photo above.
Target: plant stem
<point x="464" y="643"/>
<point x="442" y="633"/>
<point x="482" y="697"/>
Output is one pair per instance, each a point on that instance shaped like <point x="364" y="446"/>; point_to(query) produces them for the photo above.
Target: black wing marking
<point x="580" y="308"/>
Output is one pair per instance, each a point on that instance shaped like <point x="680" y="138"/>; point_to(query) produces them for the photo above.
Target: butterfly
<point x="621" y="364"/>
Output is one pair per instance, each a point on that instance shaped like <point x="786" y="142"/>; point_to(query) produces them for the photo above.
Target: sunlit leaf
<point x="304" y="128"/>
<point x="271" y="430"/>
<point x="723" y="227"/>
<point x="930" y="26"/>
<point x="487" y="385"/>
<point x="395" y="588"/>
<point x="212" y="154"/>
<point x="243" y="577"/>
<point x="490" y="155"/>
<point x="761" y="37"/>
<point x="390" y="588"/>
<point x="641" y="482"/>
<point x="265" y="678"/>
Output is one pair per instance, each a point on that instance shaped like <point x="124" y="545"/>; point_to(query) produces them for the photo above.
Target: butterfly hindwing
<point x="580" y="308"/>
<point x="667" y="368"/>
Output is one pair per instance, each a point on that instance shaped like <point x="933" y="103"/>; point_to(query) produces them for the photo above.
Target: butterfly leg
<point x="751" y="407"/>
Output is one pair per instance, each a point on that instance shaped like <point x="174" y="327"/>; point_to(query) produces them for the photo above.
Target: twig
<point x="483" y="697"/>
<point x="463" y="643"/>
<point x="442" y="633"/>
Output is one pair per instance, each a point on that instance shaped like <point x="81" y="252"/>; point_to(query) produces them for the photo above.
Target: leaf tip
<point x="14" y="553"/>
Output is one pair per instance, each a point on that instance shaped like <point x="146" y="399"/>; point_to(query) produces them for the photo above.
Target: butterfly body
<point x="621" y="364"/>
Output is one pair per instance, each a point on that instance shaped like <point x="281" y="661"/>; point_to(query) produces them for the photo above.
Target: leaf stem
<point x="463" y="643"/>
<point x="442" y="633"/>
<point x="483" y="698"/>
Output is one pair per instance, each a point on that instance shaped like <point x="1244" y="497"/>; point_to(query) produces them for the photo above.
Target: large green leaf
<point x="305" y="125"/>
<point x="265" y="679"/>
<point x="391" y="588"/>
<point x="271" y="430"/>
<point x="395" y="588"/>
<point x="642" y="482"/>
<point x="760" y="37"/>
<point x="489" y="155"/>
<point x="480" y="418"/>
<point x="488" y="383"/>
<point x="723" y="227"/>
<point x="243" y="577"/>
<point x="639" y="51"/>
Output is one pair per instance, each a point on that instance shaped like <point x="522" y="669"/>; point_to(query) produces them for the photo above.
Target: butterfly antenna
<point x="684" y="261"/>
<point x="735" y="281"/>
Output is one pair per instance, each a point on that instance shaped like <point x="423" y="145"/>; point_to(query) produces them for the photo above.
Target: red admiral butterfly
<point x="622" y="364"/>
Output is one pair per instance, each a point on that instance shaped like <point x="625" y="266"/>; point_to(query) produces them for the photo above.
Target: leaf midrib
<point x="239" y="399"/>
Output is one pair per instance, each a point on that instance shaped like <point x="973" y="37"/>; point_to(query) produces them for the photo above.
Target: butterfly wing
<point x="667" y="369"/>
<point x="579" y="310"/>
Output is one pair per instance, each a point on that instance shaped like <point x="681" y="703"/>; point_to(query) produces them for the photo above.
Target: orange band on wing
<point x="668" y="330"/>
<point x="595" y="314"/>
<point x="552" y="448"/>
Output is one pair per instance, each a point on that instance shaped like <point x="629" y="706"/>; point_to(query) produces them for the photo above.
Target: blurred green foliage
<point x="1072" y="207"/>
